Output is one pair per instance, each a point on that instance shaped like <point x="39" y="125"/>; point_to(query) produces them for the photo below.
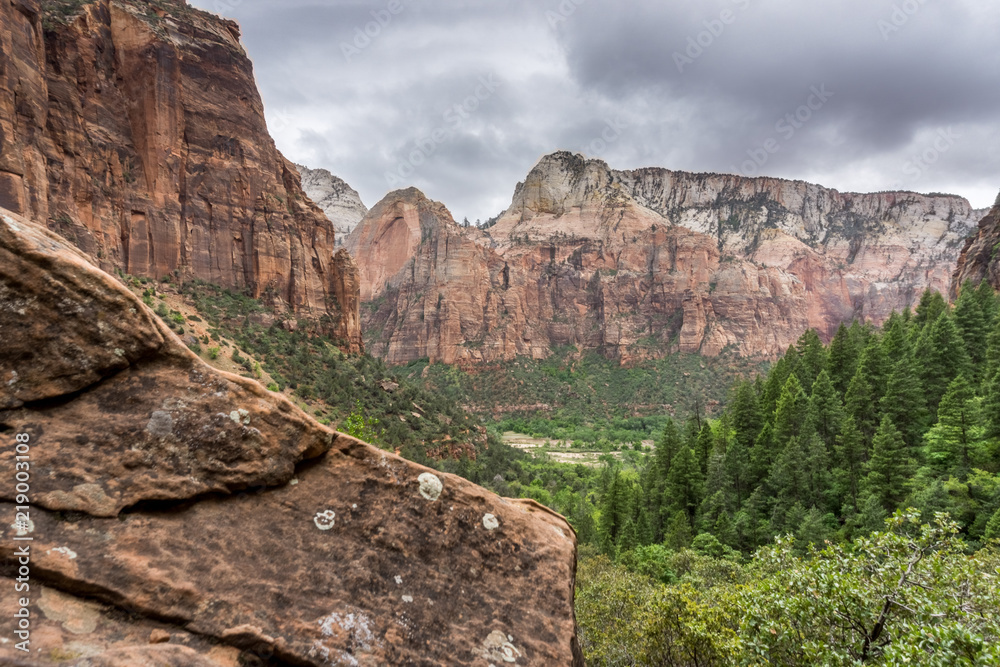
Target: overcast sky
<point x="462" y="97"/>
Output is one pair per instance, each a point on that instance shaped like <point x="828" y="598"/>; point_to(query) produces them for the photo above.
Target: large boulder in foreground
<point x="184" y="516"/>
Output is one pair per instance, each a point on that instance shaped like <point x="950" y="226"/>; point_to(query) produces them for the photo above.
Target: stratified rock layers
<point x="980" y="258"/>
<point x="136" y="131"/>
<point x="224" y="521"/>
<point x="639" y="264"/>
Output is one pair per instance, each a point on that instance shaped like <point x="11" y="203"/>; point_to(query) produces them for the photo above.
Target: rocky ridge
<point x="980" y="259"/>
<point x="340" y="202"/>
<point x="184" y="516"/>
<point x="639" y="264"/>
<point x="134" y="129"/>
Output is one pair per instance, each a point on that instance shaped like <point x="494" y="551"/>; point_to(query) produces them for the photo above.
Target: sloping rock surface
<point x="640" y="264"/>
<point x="184" y="516"/>
<point x="980" y="258"/>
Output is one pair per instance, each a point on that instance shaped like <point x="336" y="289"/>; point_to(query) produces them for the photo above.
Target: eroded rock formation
<point x="184" y="516"/>
<point x="136" y="131"/>
<point x="639" y="264"/>
<point x="980" y="259"/>
<point x="339" y="201"/>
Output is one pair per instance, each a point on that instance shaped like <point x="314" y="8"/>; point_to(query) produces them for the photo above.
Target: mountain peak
<point x="340" y="202"/>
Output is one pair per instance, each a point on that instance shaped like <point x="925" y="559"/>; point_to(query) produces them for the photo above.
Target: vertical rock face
<point x="639" y="264"/>
<point x="136" y="131"/>
<point x="339" y="201"/>
<point x="980" y="259"/>
<point x="177" y="505"/>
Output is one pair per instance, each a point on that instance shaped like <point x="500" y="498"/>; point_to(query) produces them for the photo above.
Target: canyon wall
<point x="980" y="259"/>
<point x="640" y="264"/>
<point x="135" y="130"/>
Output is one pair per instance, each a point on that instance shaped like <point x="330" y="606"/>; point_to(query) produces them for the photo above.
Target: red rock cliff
<point x="640" y="264"/>
<point x="980" y="259"/>
<point x="135" y="130"/>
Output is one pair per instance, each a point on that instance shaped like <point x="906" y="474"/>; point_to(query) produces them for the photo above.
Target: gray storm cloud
<point x="460" y="98"/>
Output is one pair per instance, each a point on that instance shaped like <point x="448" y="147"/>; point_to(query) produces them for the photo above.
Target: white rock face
<point x="339" y="201"/>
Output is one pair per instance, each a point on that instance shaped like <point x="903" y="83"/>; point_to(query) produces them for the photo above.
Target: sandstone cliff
<point x="638" y="264"/>
<point x="183" y="516"/>
<point x="980" y="259"/>
<point x="340" y="202"/>
<point x="134" y="128"/>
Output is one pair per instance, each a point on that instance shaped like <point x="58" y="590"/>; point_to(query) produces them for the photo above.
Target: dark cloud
<point x="461" y="97"/>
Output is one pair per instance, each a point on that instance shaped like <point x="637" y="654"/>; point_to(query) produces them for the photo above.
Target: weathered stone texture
<point x="640" y="264"/>
<point x="185" y="516"/>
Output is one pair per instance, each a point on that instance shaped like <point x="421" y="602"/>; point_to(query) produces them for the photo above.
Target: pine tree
<point x="627" y="538"/>
<point x="724" y="529"/>
<point x="813" y="529"/>
<point x="703" y="446"/>
<point x="677" y="533"/>
<point x="773" y="385"/>
<point x="582" y="519"/>
<point x="753" y="528"/>
<point x="713" y="506"/>
<point x="613" y="508"/>
<point x="872" y="516"/>
<point x="666" y="449"/>
<point x="904" y="402"/>
<point x="862" y="404"/>
<point x="874" y="366"/>
<point x="762" y="456"/>
<point x="993" y="349"/>
<point x="971" y="322"/>
<point x="816" y="473"/>
<point x="825" y="410"/>
<point x="812" y="359"/>
<point x="685" y="485"/>
<point x="988" y="303"/>
<point x="842" y="358"/>
<point x="895" y="339"/>
<point x="993" y="527"/>
<point x="889" y="468"/>
<point x="851" y="456"/>
<point x="941" y="357"/>
<point x="747" y="419"/>
<point x="787" y="482"/>
<point x="654" y="479"/>
<point x="718" y="479"/>
<point x="737" y="463"/>
<point x="991" y="407"/>
<point x="931" y="306"/>
<point x="791" y="411"/>
<point x="952" y="444"/>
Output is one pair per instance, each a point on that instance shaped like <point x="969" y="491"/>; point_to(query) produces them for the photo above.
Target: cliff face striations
<point x="136" y="131"/>
<point x="639" y="264"/>
<point x="980" y="259"/>
<point x="184" y="516"/>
